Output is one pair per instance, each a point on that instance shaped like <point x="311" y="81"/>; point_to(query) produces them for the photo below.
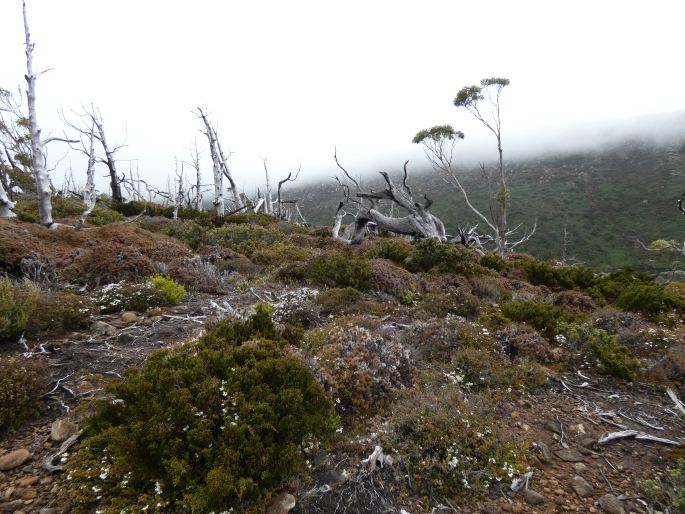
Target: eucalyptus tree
<point x="439" y="142"/>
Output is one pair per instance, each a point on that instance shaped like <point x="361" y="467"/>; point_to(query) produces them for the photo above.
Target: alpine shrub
<point x="174" y="292"/>
<point x="22" y="382"/>
<point x="214" y="426"/>
<point x="340" y="270"/>
<point x="17" y="304"/>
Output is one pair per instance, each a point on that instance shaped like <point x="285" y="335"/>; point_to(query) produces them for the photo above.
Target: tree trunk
<point x="37" y="153"/>
<point x="6" y="205"/>
<point x="115" y="182"/>
<point x="89" y="197"/>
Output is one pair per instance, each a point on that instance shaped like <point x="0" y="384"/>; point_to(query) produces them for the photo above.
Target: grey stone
<point x="11" y="506"/>
<point x="14" y="459"/>
<point x="282" y="504"/>
<point x="533" y="497"/>
<point x="569" y="455"/>
<point x="545" y="453"/>
<point x="129" y="317"/>
<point x="609" y="503"/>
<point x="103" y="328"/>
<point x="582" y="487"/>
<point x="62" y="429"/>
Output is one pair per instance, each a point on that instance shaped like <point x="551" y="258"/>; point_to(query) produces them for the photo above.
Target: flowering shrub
<point x="597" y="348"/>
<point x="362" y="371"/>
<point x="212" y="426"/>
<point x="58" y="311"/>
<point x="452" y="447"/>
<point x="297" y="308"/>
<point x="123" y="296"/>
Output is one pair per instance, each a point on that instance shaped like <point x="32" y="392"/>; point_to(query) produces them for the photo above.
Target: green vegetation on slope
<point x="606" y="200"/>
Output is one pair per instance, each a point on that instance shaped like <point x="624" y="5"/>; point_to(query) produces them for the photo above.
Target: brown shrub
<point x="105" y="263"/>
<point x="390" y="278"/>
<point x="198" y="274"/>
<point x="345" y="300"/>
<point x="130" y="250"/>
<point x="520" y="341"/>
<point x="669" y="370"/>
<point x="60" y="311"/>
<point x="486" y="288"/>
<point x="449" y="282"/>
<point x="361" y="371"/>
<point x="458" y="302"/>
<point x="575" y="301"/>
<point x="227" y="260"/>
<point x="22" y="382"/>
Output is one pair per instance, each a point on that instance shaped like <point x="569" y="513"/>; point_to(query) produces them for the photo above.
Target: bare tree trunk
<point x="216" y="165"/>
<point x="268" y="199"/>
<point x="237" y="201"/>
<point x="37" y="152"/>
<point x="419" y="223"/>
<point x="89" y="197"/>
<point x="110" y="161"/>
<point x="195" y="157"/>
<point x="6" y="205"/>
<point x="180" y="193"/>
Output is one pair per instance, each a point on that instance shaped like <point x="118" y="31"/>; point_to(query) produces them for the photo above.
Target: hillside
<point x="246" y="364"/>
<point x="605" y="198"/>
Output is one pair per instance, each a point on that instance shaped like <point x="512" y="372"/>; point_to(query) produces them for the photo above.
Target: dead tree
<point x="89" y="197"/>
<point x="219" y="166"/>
<point x="418" y="223"/>
<point x="279" y="199"/>
<point x="6" y="205"/>
<point x="180" y="193"/>
<point x="93" y="118"/>
<point x="195" y="191"/>
<point x="39" y="168"/>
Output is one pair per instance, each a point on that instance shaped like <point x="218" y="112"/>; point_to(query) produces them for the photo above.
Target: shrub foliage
<point x="218" y="425"/>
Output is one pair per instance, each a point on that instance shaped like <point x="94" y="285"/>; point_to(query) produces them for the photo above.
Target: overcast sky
<point x="290" y="80"/>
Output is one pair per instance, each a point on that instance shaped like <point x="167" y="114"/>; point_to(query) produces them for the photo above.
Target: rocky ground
<point x="572" y="470"/>
<point x="79" y="367"/>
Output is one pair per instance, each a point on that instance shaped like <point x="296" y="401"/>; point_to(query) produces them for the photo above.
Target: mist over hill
<point x="607" y="186"/>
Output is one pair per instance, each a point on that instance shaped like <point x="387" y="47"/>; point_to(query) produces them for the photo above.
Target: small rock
<point x="579" y="467"/>
<point x="281" y="504"/>
<point x="7" y="494"/>
<point x="125" y="338"/>
<point x="569" y="455"/>
<point x="155" y="319"/>
<point x="588" y="442"/>
<point x="53" y="510"/>
<point x="609" y="503"/>
<point x="129" y="317"/>
<point x="25" y="493"/>
<point x="102" y="328"/>
<point x="546" y="454"/>
<point x="62" y="429"/>
<point x="582" y="487"/>
<point x="533" y="497"/>
<point x="553" y="426"/>
<point x="11" y="506"/>
<point x="45" y="480"/>
<point x="14" y="459"/>
<point x="25" y="482"/>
